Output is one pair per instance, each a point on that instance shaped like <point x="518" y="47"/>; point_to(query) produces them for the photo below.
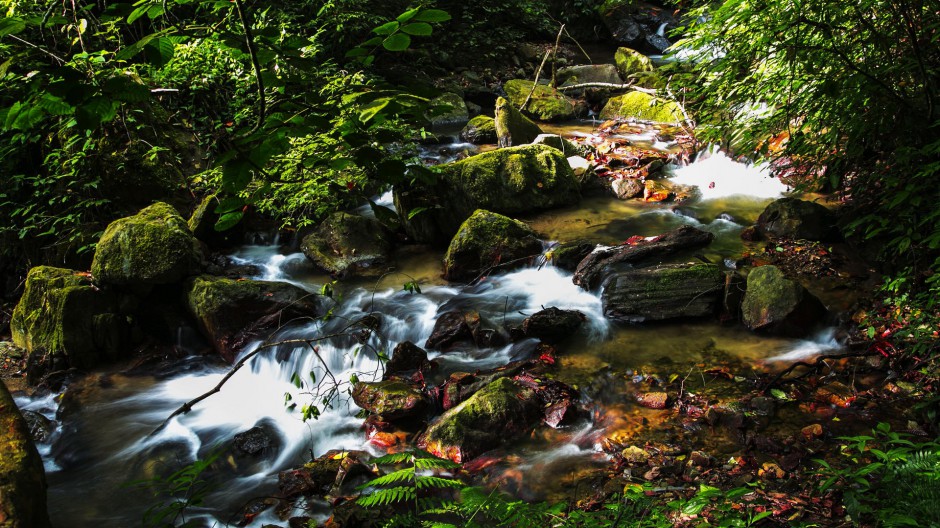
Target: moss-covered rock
<point x="589" y="73"/>
<point x="347" y="244"/>
<point x="499" y="413"/>
<point x="545" y="104"/>
<point x="509" y="181"/>
<point x="555" y="141"/>
<point x="64" y="321"/>
<point x="630" y="62"/>
<point x="480" y="130"/>
<point x="513" y="128"/>
<point x="155" y="246"/>
<point x="448" y="108"/>
<point x="390" y="399"/>
<point x="790" y="217"/>
<point x="22" y="478"/>
<point x="232" y="312"/>
<point x="664" y="292"/>
<point x="777" y="305"/>
<point x="202" y="225"/>
<point x="642" y="106"/>
<point x="488" y="241"/>
<point x="567" y="256"/>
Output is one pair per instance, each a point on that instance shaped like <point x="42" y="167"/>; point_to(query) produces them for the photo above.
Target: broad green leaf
<point x="356" y="52"/>
<point x="159" y="51"/>
<point x="228" y="220"/>
<point x="387" y="29"/>
<point x="408" y="15"/>
<point x="236" y="175"/>
<point x="137" y="13"/>
<point x="420" y="29"/>
<point x="397" y="42"/>
<point x="372" y="109"/>
<point x="229" y="204"/>
<point x="416" y="211"/>
<point x="779" y="394"/>
<point x="432" y="15"/>
<point x="11" y="25"/>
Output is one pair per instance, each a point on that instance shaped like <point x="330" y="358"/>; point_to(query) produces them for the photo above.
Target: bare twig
<point x="535" y="83"/>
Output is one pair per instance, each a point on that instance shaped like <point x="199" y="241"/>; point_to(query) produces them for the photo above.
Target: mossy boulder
<point x="794" y="218"/>
<point x="664" y="292"/>
<point x="22" y="477"/>
<point x="480" y="130"/>
<point x="630" y="62"/>
<point x="202" y="225"/>
<point x="777" y="305"/>
<point x="347" y="244"/>
<point x="500" y="412"/>
<point x="390" y="399"/>
<point x="447" y="109"/>
<point x="568" y="255"/>
<point x="546" y="104"/>
<point x="643" y="107"/>
<point x="155" y="246"/>
<point x="509" y="181"/>
<point x="488" y="241"/>
<point x="513" y="128"/>
<point x="555" y="141"/>
<point x="62" y="321"/>
<point x="589" y="73"/>
<point x="231" y="313"/>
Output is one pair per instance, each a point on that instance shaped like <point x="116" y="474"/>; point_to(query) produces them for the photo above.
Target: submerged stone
<point x="346" y="244"/>
<point x="155" y="246"/>
<point x="487" y="241"/>
<point x="664" y="292"/>
<point x="22" y="477"/>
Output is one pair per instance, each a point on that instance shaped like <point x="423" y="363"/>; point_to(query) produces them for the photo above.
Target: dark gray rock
<point x="663" y="292"/>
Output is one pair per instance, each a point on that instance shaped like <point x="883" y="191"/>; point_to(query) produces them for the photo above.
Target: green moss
<point x="389" y="398"/>
<point x="502" y="402"/>
<point x="481" y="129"/>
<point x="513" y="128"/>
<point x="770" y="295"/>
<point x="448" y="108"/>
<point x="155" y="246"/>
<point x="545" y="104"/>
<point x="645" y="107"/>
<point x="486" y="240"/>
<point x="23" y="481"/>
<point x="630" y="62"/>
<point x="346" y="243"/>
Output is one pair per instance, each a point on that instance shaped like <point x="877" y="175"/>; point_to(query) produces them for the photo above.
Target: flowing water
<point x="107" y="441"/>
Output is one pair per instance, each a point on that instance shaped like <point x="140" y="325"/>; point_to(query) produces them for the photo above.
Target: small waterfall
<point x="718" y="176"/>
<point x="661" y="32"/>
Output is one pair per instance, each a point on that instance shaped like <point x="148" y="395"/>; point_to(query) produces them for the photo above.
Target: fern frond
<point x="393" y="458"/>
<point x="395" y="477"/>
<point x="437" y="482"/>
<point x="384" y="497"/>
<point x="435" y="463"/>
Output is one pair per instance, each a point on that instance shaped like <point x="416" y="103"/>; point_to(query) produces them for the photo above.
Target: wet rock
<point x="663" y="292"/>
<point x="63" y="320"/>
<point x="630" y="62"/>
<point x="323" y="474"/>
<point x="589" y="73"/>
<point x="513" y="128"/>
<point x="763" y="405"/>
<point x="487" y="241"/>
<point x="567" y="256"/>
<point x="202" y="224"/>
<point x="508" y="181"/>
<point x="733" y="296"/>
<point x="22" y="478"/>
<point x="153" y="247"/>
<point x="391" y="399"/>
<point x="40" y="427"/>
<point x="406" y="359"/>
<point x="635" y="455"/>
<point x="812" y="431"/>
<point x="643" y="107"/>
<point x="346" y="244"/>
<point x="254" y="508"/>
<point x="447" y="109"/>
<point x="350" y="514"/>
<point x="451" y="328"/>
<point x="499" y="413"/>
<point x="589" y="273"/>
<point x="637" y="24"/>
<point x="793" y="218"/>
<point x="552" y="325"/>
<point x="231" y="313"/>
<point x="626" y="188"/>
<point x="546" y="104"/>
<point x="581" y="168"/>
<point x="836" y="394"/>
<point x="777" y="305"/>
<point x="480" y="130"/>
<point x="751" y="234"/>
<point x="253" y="441"/>
<point x="555" y="141"/>
<point x="652" y="400"/>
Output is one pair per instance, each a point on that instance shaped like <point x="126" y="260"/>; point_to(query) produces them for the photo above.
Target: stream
<point x="105" y="443"/>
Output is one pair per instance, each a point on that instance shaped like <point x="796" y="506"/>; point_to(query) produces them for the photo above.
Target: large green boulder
<point x="513" y="128"/>
<point x="230" y="313"/>
<point x="546" y="103"/>
<point x="508" y="181"/>
<point x="794" y="218"/>
<point x="589" y="73"/>
<point x="488" y="241"/>
<point x="500" y="412"/>
<point x="22" y="478"/>
<point x="390" y="399"/>
<point x="777" y="305"/>
<point x="64" y="321"/>
<point x="447" y="109"/>
<point x="347" y="244"/>
<point x="202" y="225"/>
<point x="630" y="62"/>
<point x="155" y="246"/>
<point x="642" y="106"/>
<point x="480" y="130"/>
<point x="664" y="292"/>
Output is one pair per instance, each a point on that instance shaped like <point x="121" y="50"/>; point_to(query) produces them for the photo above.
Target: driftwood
<point x="589" y="271"/>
